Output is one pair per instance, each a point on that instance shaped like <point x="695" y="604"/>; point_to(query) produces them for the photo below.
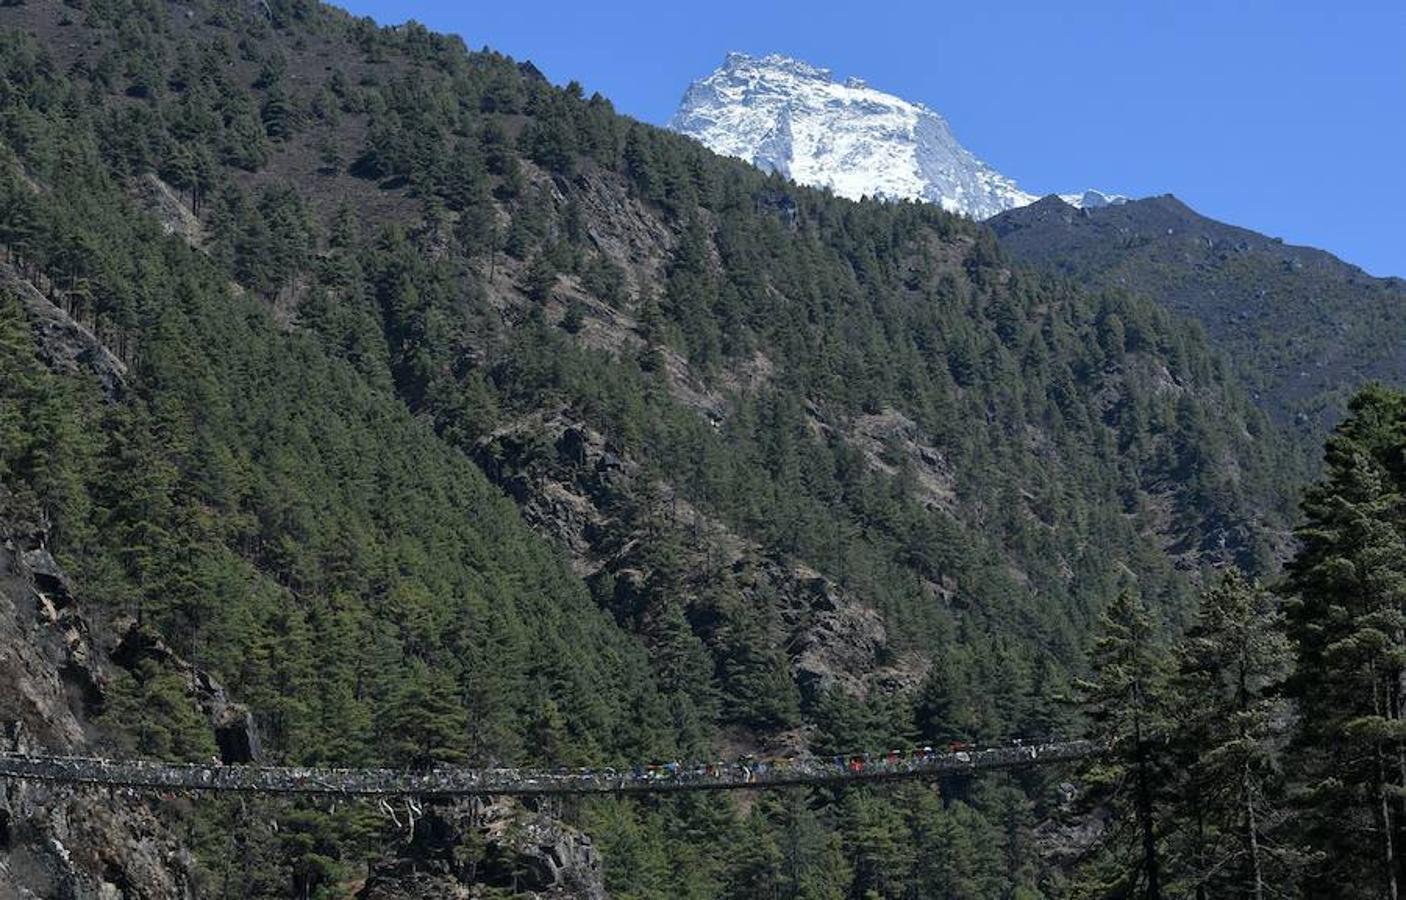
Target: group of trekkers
<point x="751" y="768"/>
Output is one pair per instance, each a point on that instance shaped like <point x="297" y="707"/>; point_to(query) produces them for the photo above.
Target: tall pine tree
<point x="1230" y="725"/>
<point x="1348" y="629"/>
<point x="1126" y="703"/>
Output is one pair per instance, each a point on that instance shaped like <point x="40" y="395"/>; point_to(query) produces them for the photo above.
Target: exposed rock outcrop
<point x="623" y="228"/>
<point x="232" y="723"/>
<point x="576" y="487"/>
<point x="893" y="443"/>
<point x="526" y="851"/>
<point x="166" y="206"/>
<point x="64" y="344"/>
<point x="1071" y="832"/>
<point x="56" y="842"/>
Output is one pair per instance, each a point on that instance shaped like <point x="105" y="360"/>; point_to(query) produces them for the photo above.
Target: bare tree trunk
<point x="1396" y="713"/>
<point x="1387" y="826"/>
<point x="1252" y="834"/>
<point x="1383" y="798"/>
<point x="1144" y="808"/>
<point x="1202" y="869"/>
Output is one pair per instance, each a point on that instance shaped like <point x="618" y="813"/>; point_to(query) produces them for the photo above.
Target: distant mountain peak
<point x="1093" y="199"/>
<point x="784" y="114"/>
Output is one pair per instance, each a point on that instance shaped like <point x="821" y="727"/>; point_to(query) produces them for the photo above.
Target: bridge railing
<point x="458" y="781"/>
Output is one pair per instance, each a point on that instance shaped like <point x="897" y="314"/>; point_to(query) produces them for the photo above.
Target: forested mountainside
<point x="1301" y="327"/>
<point x="443" y="414"/>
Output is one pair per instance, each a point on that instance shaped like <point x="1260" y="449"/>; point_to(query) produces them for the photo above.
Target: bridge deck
<point x="456" y="781"/>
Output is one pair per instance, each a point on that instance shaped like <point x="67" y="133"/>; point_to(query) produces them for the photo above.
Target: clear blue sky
<point x="1287" y="117"/>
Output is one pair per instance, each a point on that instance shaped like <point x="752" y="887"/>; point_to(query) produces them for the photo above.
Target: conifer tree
<point x="1126" y="705"/>
<point x="956" y="855"/>
<point x="540" y="278"/>
<point x="1347" y="624"/>
<point x="942" y="708"/>
<point x="156" y="708"/>
<point x="877" y="842"/>
<point x="1229" y="727"/>
<point x="424" y="723"/>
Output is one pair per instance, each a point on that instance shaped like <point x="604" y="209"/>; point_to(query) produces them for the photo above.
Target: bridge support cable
<point x="457" y="781"/>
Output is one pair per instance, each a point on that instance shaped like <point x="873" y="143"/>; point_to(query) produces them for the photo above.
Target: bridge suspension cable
<point x="743" y="774"/>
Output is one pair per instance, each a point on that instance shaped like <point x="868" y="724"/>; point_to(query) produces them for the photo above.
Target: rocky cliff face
<point x="57" y="842"/>
<point x="530" y="853"/>
<point x="788" y="116"/>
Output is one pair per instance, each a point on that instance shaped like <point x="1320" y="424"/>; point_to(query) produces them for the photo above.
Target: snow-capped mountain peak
<point x="787" y="115"/>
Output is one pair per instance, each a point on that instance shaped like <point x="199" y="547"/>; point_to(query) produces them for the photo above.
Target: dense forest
<point x="381" y="299"/>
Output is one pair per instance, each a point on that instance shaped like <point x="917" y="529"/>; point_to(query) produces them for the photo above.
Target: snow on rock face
<point x="785" y="115"/>
<point x="1092" y="199"/>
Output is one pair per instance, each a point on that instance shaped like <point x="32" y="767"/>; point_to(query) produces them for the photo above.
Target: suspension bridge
<point x="454" y="781"/>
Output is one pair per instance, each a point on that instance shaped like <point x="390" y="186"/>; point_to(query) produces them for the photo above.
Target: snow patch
<point x="786" y="115"/>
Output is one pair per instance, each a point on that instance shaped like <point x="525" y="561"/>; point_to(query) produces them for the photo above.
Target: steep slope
<point x="787" y="116"/>
<point x="804" y="473"/>
<point x="193" y="495"/>
<point x="1302" y="328"/>
<point x="55" y="667"/>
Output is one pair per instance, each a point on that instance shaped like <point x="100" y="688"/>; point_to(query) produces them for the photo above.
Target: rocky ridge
<point x="1302" y="327"/>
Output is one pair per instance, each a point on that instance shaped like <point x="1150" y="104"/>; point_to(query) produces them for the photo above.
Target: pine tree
<point x="541" y="277"/>
<point x="155" y="710"/>
<point x="547" y="735"/>
<point x="755" y="675"/>
<point x="755" y="868"/>
<point x="424" y="722"/>
<point x="1347" y="625"/>
<point x="574" y="317"/>
<point x="942" y="708"/>
<point x="878" y="842"/>
<point x="955" y="853"/>
<point x="19" y="219"/>
<point x="1126" y="705"/>
<point x="1229" y="725"/>
<point x="277" y="114"/>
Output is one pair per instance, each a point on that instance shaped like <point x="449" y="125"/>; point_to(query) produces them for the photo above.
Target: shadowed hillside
<point x="1301" y="327"/>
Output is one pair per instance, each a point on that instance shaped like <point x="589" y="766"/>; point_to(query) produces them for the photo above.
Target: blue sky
<point x="1287" y="117"/>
